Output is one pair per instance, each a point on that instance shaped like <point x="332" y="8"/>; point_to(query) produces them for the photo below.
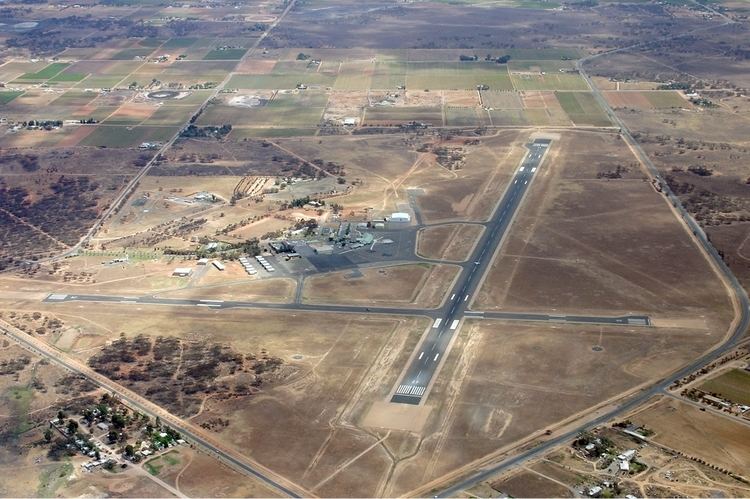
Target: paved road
<point x="741" y="325"/>
<point x="128" y="190"/>
<point x="428" y="357"/>
<point x="189" y="432"/>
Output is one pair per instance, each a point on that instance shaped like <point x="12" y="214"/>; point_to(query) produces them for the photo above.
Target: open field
<point x="572" y="248"/>
<point x="732" y="385"/>
<point x="419" y="285"/>
<point x="551" y="81"/>
<point x="716" y="439"/>
<point x="389" y="169"/>
<point x="452" y="242"/>
<point x="664" y="99"/>
<point x="497" y="376"/>
<point x="582" y="108"/>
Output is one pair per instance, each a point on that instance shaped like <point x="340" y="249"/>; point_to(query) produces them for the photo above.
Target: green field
<point x="582" y="108"/>
<point x="46" y="73"/>
<point x="732" y="385"/>
<point x="6" y="97"/>
<point x="224" y="55"/>
<point x="68" y="77"/>
<point x="293" y="110"/>
<point x="549" y="81"/>
<point x="355" y="76"/>
<point x="456" y="75"/>
<point x="150" y="42"/>
<point x="179" y="43"/>
<point x="539" y="65"/>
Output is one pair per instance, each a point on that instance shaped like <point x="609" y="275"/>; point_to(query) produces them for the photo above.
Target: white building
<point x="400" y="217"/>
<point x="182" y="272"/>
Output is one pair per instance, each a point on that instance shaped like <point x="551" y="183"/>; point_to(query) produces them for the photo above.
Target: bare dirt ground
<point x="716" y="439"/>
<point x="452" y="242"/>
<point x="579" y="244"/>
<point x="418" y="285"/>
<point x="498" y="375"/>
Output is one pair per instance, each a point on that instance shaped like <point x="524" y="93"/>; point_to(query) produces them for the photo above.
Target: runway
<point x="426" y="360"/>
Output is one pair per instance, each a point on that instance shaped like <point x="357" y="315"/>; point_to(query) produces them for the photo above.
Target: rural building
<point x="203" y="261"/>
<point x="218" y="265"/>
<point x="182" y="272"/>
<point x="400" y="217"/>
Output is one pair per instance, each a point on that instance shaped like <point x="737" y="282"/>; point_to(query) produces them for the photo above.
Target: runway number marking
<point x="455" y="324"/>
<point x="437" y="323"/>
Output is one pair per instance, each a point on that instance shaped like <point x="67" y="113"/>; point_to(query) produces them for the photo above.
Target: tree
<point x="60" y="416"/>
<point x="72" y="427"/>
<point x="48" y="435"/>
<point x="129" y="450"/>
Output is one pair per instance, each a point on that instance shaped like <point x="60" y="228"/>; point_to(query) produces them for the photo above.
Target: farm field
<point x="732" y="385"/>
<point x="582" y="108"/>
<point x="661" y="99"/>
<point x="150" y="150"/>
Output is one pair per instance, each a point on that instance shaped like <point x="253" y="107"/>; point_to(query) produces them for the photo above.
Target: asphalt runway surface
<point x="426" y="360"/>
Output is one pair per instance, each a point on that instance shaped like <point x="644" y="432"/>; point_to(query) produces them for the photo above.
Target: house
<point x="218" y="265"/>
<point x="595" y="491"/>
<point x="203" y="261"/>
<point x="182" y="272"/>
<point x="103" y="426"/>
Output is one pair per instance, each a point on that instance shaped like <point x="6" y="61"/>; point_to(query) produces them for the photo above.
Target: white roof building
<point x="400" y="217"/>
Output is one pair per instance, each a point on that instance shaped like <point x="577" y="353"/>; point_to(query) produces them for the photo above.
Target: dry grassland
<point x="580" y="244"/>
<point x="452" y="242"/>
<point x="717" y="439"/>
<point x="498" y="375"/>
<point x="277" y="290"/>
<point x="418" y="285"/>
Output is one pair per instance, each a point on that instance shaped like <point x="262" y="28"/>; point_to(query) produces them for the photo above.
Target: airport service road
<point x="428" y="356"/>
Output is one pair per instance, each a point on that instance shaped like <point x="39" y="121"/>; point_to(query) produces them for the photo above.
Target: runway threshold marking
<point x="437" y="323"/>
<point x="455" y="324"/>
<point x="420" y="356"/>
<point x="436" y="357"/>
